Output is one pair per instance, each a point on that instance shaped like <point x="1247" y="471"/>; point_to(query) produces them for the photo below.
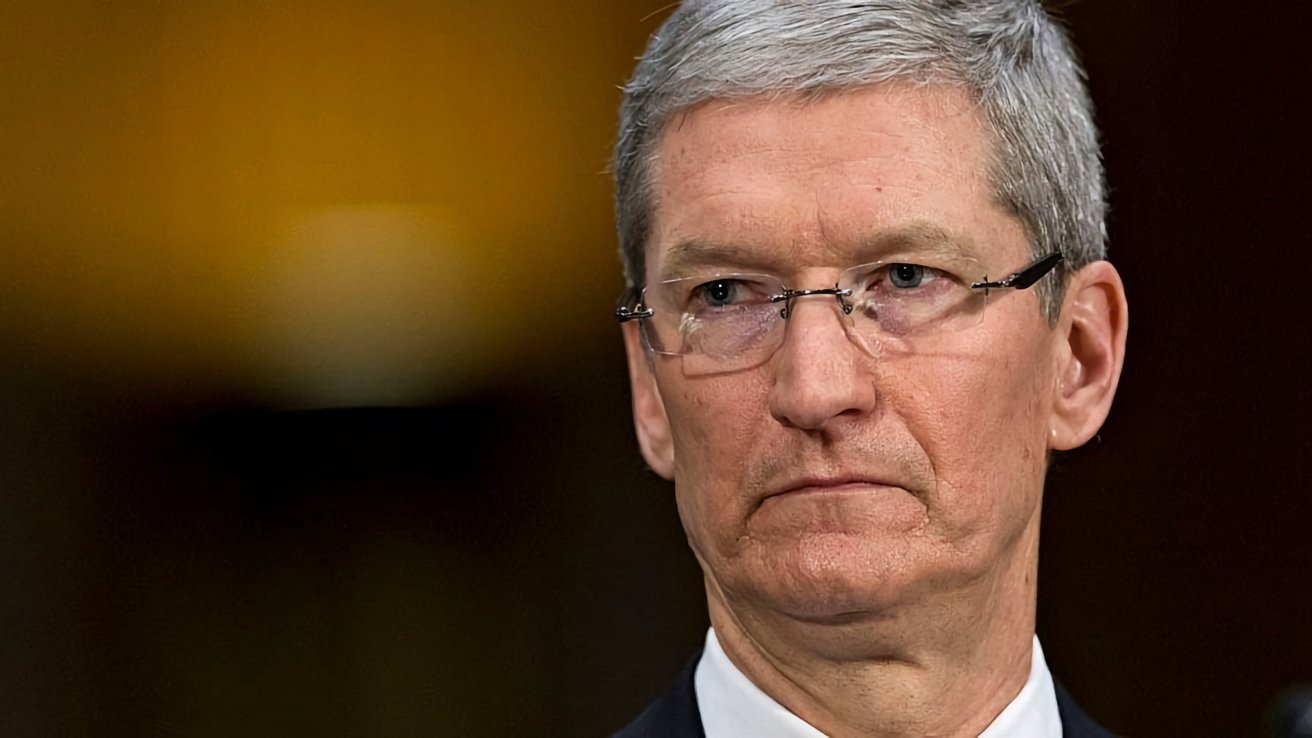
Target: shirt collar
<point x="733" y="707"/>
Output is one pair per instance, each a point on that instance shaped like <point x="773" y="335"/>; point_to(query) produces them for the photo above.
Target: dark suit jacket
<point x="675" y="714"/>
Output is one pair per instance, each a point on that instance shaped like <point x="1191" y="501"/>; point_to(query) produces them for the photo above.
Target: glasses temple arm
<point x="626" y="309"/>
<point x="1025" y="277"/>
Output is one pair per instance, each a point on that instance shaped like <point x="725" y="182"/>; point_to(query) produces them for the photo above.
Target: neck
<point x="945" y="667"/>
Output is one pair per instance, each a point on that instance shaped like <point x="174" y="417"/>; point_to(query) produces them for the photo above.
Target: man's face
<point x="830" y="479"/>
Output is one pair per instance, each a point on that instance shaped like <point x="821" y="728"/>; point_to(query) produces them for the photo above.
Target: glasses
<point x="724" y="322"/>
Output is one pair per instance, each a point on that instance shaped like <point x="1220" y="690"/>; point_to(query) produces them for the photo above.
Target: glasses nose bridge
<point x="835" y="299"/>
<point x="788" y="295"/>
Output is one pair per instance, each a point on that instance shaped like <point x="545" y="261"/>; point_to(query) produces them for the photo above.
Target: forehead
<point x="822" y="182"/>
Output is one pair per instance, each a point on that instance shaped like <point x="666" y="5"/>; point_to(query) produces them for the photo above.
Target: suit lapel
<point x="674" y="714"/>
<point x="1074" y="723"/>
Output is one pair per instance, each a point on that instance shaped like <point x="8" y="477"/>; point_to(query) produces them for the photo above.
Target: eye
<point x="908" y="276"/>
<point x="719" y="293"/>
<point x="903" y="281"/>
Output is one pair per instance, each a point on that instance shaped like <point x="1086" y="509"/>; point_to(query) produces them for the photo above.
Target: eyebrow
<point x="693" y="253"/>
<point x="918" y="237"/>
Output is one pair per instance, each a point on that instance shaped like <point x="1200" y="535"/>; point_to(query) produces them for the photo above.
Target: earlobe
<point x="1094" y="326"/>
<point x="649" y="417"/>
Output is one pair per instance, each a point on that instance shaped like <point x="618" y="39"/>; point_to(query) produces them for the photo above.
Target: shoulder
<point x="1074" y="723"/>
<point x="673" y="714"/>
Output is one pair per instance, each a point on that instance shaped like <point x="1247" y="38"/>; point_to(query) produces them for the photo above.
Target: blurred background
<point x="313" y="420"/>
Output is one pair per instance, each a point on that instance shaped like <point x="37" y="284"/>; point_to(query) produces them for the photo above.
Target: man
<point x="869" y="298"/>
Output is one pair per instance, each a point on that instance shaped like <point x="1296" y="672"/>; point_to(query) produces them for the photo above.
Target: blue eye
<point x="907" y="276"/>
<point x="719" y="293"/>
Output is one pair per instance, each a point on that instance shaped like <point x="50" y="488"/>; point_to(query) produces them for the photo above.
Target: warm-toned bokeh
<point x="313" y="200"/>
<point x="313" y="421"/>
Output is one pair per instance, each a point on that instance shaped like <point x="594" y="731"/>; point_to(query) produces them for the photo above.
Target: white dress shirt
<point x="733" y="707"/>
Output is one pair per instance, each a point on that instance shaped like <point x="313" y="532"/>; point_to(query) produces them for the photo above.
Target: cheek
<point x="716" y="423"/>
<point x="982" y="423"/>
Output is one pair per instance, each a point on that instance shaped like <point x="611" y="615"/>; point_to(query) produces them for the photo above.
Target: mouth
<point x="829" y="485"/>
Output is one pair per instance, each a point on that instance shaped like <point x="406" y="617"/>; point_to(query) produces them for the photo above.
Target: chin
<point x="835" y="578"/>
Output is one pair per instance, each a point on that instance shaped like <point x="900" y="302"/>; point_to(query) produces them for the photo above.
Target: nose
<point x="820" y="375"/>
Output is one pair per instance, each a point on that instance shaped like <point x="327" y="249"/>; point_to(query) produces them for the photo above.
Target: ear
<point x="1094" y="322"/>
<point x="649" y="417"/>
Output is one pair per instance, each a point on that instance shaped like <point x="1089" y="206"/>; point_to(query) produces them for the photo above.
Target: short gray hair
<point x="1010" y="55"/>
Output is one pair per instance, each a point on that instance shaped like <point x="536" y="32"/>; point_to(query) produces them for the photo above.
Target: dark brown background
<point x="190" y="544"/>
